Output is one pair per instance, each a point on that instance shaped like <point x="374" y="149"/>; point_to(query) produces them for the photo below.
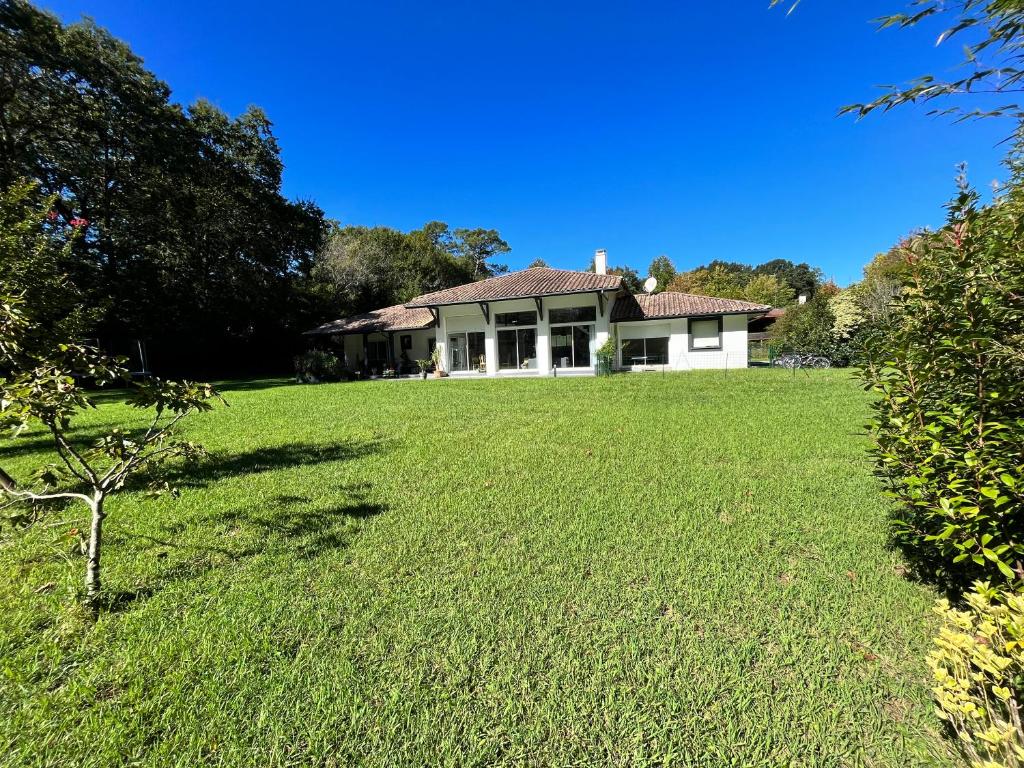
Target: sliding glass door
<point x="517" y="345"/>
<point x="465" y="351"/>
<point x="570" y="344"/>
<point x="517" y="349"/>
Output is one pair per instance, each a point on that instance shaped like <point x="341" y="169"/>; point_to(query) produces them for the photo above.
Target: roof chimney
<point x="601" y="261"/>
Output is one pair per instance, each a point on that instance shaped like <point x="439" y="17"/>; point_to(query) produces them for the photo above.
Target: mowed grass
<point x="639" y="570"/>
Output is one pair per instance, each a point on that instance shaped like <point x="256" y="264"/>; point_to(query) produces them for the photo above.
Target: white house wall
<point x="469" y="318"/>
<point x="733" y="353"/>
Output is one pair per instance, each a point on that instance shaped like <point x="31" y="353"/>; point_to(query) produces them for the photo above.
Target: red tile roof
<point x="672" y="304"/>
<point x="396" y="318"/>
<point x="536" y="281"/>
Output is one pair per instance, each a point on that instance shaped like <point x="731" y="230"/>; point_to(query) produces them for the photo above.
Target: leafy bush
<point x="949" y="371"/>
<point x="809" y="329"/>
<point x="318" y="365"/>
<point x="978" y="667"/>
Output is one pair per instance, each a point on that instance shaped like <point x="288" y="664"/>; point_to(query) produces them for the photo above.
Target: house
<point x="542" y="321"/>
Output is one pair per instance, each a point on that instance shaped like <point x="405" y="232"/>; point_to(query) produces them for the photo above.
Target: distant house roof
<point x="536" y="281"/>
<point x="671" y="304"/>
<point x="396" y="318"/>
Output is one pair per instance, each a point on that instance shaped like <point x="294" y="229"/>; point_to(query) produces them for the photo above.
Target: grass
<point x="640" y="570"/>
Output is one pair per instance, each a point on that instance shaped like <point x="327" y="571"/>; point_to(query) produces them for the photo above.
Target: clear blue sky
<point x="698" y="130"/>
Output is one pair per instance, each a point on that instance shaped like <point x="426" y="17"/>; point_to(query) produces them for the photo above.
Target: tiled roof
<point x="396" y="318"/>
<point x="671" y="304"/>
<point x="537" y="281"/>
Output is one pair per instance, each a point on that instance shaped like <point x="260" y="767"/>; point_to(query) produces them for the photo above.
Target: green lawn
<point x="638" y="570"/>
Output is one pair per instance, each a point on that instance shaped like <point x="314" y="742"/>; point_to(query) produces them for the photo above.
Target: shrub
<point x="809" y="329"/>
<point x="318" y="365"/>
<point x="949" y="371"/>
<point x="978" y="665"/>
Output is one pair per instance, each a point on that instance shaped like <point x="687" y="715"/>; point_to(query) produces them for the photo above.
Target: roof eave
<point x="517" y="297"/>
<point x="691" y="315"/>
<point x="353" y="332"/>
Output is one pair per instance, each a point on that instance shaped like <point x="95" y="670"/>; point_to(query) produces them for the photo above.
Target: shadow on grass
<point x="285" y="525"/>
<point x="305" y="529"/>
<point x="925" y="567"/>
<point x="219" y="466"/>
<point x="252" y="385"/>
<point x="43" y="444"/>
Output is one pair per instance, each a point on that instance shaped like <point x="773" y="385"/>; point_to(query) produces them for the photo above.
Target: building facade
<point x="542" y="322"/>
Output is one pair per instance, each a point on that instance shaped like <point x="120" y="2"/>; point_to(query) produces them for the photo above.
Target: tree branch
<point x="65" y="450"/>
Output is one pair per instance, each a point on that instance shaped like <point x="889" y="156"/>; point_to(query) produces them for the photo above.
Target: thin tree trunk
<point x="92" y="569"/>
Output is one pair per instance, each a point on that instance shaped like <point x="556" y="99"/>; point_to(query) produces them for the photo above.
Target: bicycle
<point x="794" y="361"/>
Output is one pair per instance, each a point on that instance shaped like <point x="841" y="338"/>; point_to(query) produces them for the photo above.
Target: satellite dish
<point x="650" y="284"/>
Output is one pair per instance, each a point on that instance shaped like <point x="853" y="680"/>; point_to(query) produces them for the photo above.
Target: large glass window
<point x="656" y="350"/>
<point x="653" y="351"/>
<point x="376" y="353"/>
<point x="517" y="349"/>
<point x="465" y="351"/>
<point x="706" y="334"/>
<point x="505" y="319"/>
<point x="573" y="315"/>
<point x="570" y="345"/>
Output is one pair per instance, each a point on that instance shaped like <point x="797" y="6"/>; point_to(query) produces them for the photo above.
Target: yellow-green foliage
<point x="977" y="663"/>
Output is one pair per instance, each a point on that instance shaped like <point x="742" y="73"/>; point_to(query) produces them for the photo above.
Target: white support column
<point x="491" y="348"/>
<point x="544" y="344"/>
<point x="603" y="326"/>
<point x="441" y="338"/>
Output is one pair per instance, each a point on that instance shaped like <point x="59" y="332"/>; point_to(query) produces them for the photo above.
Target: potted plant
<point x="423" y="365"/>
<point x="435" y="358"/>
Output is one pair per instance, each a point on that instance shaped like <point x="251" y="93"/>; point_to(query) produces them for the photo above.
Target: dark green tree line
<point x="184" y="236"/>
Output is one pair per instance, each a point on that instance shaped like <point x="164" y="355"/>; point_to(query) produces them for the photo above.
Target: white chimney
<point x="601" y="261"/>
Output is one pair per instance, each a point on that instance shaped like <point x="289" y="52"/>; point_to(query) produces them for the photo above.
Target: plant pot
<point x="438" y="373"/>
<point x="424" y="375"/>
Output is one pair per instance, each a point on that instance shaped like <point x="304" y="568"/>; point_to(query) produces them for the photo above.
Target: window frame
<point x="643" y="341"/>
<point x="591" y="344"/>
<point x="553" y="313"/>
<point x="499" y="315"/>
<point x="689" y="334"/>
<point x="516" y="330"/>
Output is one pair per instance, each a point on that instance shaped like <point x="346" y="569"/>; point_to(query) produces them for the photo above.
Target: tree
<point x="538" y="262"/>
<point x="993" y="61"/>
<point x="663" y="270"/>
<point x="801" y="278"/>
<point x="475" y="247"/>
<point x="767" y="289"/>
<point x="714" y="280"/>
<point x="43" y="383"/>
<point x="363" y="268"/>
<point x="630" y="278"/>
<point x="847" y="309"/>
<point x="809" y="328"/>
<point x="40" y="265"/>
<point x="184" y="236"/>
<point x="949" y="376"/>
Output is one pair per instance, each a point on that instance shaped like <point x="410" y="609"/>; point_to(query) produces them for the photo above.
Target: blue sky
<point x="697" y="130"/>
